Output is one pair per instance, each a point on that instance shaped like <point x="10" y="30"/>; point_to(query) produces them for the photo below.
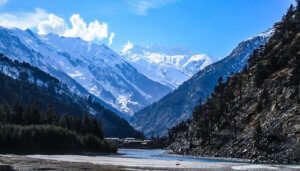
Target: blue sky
<point x="213" y="27"/>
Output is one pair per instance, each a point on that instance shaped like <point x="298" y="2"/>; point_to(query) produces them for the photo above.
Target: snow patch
<point x="124" y="101"/>
<point x="76" y="74"/>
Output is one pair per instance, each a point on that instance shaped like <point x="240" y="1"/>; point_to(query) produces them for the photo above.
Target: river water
<point x="158" y="154"/>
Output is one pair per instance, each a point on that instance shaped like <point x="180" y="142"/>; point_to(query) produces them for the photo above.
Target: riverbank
<point x="76" y="163"/>
<point x="235" y="160"/>
<point x="129" y="160"/>
<point x="24" y="163"/>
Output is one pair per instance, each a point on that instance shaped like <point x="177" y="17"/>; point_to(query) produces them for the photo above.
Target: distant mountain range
<point x="86" y="68"/>
<point x="168" y="66"/>
<point x="178" y="105"/>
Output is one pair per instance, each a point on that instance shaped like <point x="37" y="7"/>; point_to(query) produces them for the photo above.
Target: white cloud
<point x="54" y="24"/>
<point x="46" y="23"/>
<point x="141" y="7"/>
<point x="111" y="37"/>
<point x="23" y="20"/>
<point x="92" y="31"/>
<point x="3" y="2"/>
<point x="127" y="47"/>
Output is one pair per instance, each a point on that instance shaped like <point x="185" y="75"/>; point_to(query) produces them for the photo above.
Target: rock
<point x="4" y="167"/>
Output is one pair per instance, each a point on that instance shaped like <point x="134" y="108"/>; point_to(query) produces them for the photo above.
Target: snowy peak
<point x="267" y="34"/>
<point x="169" y="66"/>
<point x="86" y="68"/>
<point x="196" y="63"/>
<point x="81" y="49"/>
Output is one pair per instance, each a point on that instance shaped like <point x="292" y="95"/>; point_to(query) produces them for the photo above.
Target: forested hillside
<point x="26" y="129"/>
<point x="32" y="88"/>
<point x="255" y="114"/>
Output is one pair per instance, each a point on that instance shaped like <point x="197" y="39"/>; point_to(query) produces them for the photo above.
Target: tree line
<point x="26" y="128"/>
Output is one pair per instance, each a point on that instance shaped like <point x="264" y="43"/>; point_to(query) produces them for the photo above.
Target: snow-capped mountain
<point x="85" y="67"/>
<point x="178" y="105"/>
<point x="169" y="66"/>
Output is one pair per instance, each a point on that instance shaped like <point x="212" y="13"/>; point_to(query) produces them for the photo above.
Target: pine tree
<point x="100" y="128"/>
<point x="295" y="78"/>
<point x="198" y="110"/>
<point x="254" y="58"/>
<point x="298" y="8"/>
<point x="258" y="134"/>
<point x="2" y="115"/>
<point x="260" y="75"/>
<point x="234" y="126"/>
<point x="23" y="76"/>
<point x="290" y="13"/>
<point x="18" y="113"/>
<point x="35" y="115"/>
<point x="7" y="114"/>
<point x="64" y="122"/>
<point x="85" y="124"/>
<point x="50" y="116"/>
<point x="27" y="115"/>
<point x="96" y="128"/>
<point x="240" y="81"/>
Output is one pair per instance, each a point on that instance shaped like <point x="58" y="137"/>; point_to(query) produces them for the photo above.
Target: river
<point x="159" y="160"/>
<point x="160" y="154"/>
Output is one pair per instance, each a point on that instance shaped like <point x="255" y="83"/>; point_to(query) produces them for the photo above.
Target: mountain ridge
<point x="169" y="66"/>
<point x="85" y="67"/>
<point x="178" y="105"/>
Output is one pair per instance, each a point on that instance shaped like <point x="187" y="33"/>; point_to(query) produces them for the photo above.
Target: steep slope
<point x="28" y="85"/>
<point x="12" y="46"/>
<point x="255" y="114"/>
<point x="168" y="66"/>
<point x="85" y="67"/>
<point x="178" y="105"/>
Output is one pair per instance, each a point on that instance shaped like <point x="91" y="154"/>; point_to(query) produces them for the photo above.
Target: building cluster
<point x="130" y="142"/>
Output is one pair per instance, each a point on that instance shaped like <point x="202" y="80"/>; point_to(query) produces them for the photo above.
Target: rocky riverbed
<point x="129" y="159"/>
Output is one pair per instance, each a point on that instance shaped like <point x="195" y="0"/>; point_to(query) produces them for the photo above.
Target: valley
<point x="79" y="95"/>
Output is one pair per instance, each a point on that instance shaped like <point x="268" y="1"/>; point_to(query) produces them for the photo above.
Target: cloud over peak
<point x="54" y="24"/>
<point x="46" y="23"/>
<point x="88" y="32"/>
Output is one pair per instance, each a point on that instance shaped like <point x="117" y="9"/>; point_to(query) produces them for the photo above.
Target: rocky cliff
<point x="255" y="114"/>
